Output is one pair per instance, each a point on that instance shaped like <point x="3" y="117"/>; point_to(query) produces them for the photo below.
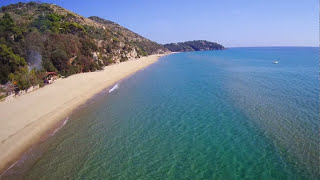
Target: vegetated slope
<point x="40" y="37"/>
<point x="197" y="45"/>
<point x="142" y="44"/>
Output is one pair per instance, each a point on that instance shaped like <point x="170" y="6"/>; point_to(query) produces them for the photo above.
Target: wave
<point x="63" y="124"/>
<point x="8" y="169"/>
<point x="114" y="87"/>
<point x="26" y="156"/>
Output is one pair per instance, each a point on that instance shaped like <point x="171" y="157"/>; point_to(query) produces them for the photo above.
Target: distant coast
<point x="26" y="118"/>
<point x="196" y="45"/>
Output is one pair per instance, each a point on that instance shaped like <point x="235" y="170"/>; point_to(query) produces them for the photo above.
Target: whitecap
<point x="114" y="87"/>
<point x="63" y="124"/>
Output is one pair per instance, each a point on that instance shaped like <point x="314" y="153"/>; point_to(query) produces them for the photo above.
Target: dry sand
<point x="25" y="119"/>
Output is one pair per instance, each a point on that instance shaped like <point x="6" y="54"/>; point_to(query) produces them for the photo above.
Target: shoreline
<point x="25" y="119"/>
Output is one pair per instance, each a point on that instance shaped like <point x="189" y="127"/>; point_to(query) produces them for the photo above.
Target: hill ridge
<point x="47" y="37"/>
<point x="195" y="45"/>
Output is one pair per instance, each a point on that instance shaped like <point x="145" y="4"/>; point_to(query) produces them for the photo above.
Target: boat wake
<point x="114" y="87"/>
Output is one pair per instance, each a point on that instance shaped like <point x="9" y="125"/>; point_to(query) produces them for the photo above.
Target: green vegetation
<point x="9" y="30"/>
<point x="133" y="40"/>
<point x="15" y="69"/>
<point x="123" y="59"/>
<point x="107" y="60"/>
<point x="10" y="63"/>
<point x="48" y="22"/>
<point x="199" y="45"/>
<point x="55" y="23"/>
<point x="141" y="52"/>
<point x="2" y="97"/>
<point x="2" y="90"/>
<point x="51" y="39"/>
<point x="96" y="33"/>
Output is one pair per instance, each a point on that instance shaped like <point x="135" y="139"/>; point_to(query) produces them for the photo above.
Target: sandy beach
<point x="25" y="119"/>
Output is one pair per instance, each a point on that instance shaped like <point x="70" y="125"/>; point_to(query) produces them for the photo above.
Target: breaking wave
<point x="63" y="124"/>
<point x="114" y="87"/>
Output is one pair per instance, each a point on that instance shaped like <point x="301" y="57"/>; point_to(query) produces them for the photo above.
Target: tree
<point x="7" y="23"/>
<point x="9" y="62"/>
<point x="6" y="26"/>
<point x="9" y="30"/>
<point x="48" y="66"/>
<point x="21" y="78"/>
<point x="59" y="59"/>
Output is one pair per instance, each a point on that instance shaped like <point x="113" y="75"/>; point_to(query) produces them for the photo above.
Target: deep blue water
<point x="229" y="114"/>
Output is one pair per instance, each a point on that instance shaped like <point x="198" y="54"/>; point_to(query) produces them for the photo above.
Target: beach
<point x="229" y="114"/>
<point x="25" y="119"/>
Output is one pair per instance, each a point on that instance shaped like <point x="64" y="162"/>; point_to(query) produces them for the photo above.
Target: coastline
<point x="26" y="118"/>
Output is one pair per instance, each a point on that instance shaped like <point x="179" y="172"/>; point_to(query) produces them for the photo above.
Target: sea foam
<point x="63" y="124"/>
<point x="114" y="87"/>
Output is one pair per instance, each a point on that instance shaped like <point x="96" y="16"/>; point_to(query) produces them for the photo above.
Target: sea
<point x="227" y="114"/>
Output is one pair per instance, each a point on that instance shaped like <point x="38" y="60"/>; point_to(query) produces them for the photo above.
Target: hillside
<point x="141" y="43"/>
<point x="39" y="37"/>
<point x="197" y="45"/>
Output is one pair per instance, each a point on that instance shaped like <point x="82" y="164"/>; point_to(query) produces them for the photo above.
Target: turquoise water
<point x="229" y="114"/>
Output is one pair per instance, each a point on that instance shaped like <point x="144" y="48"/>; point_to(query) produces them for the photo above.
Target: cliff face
<point x="197" y="45"/>
<point x="52" y="38"/>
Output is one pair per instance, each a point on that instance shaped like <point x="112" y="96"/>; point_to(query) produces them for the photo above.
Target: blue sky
<point x="229" y="22"/>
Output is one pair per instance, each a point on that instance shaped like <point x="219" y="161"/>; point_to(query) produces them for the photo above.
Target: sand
<point x="25" y="119"/>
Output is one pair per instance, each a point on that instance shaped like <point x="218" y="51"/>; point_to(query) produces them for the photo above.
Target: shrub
<point x="123" y="59"/>
<point x="9" y="62"/>
<point x="59" y="59"/>
<point x="48" y="66"/>
<point x="73" y="28"/>
<point x="88" y="46"/>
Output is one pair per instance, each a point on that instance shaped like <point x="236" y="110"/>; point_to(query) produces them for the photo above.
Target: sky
<point x="233" y="23"/>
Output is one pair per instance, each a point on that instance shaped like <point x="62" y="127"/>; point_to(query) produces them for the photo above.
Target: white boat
<point x="275" y="62"/>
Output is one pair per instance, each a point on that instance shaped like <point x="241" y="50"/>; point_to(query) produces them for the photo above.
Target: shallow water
<point x="229" y="114"/>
